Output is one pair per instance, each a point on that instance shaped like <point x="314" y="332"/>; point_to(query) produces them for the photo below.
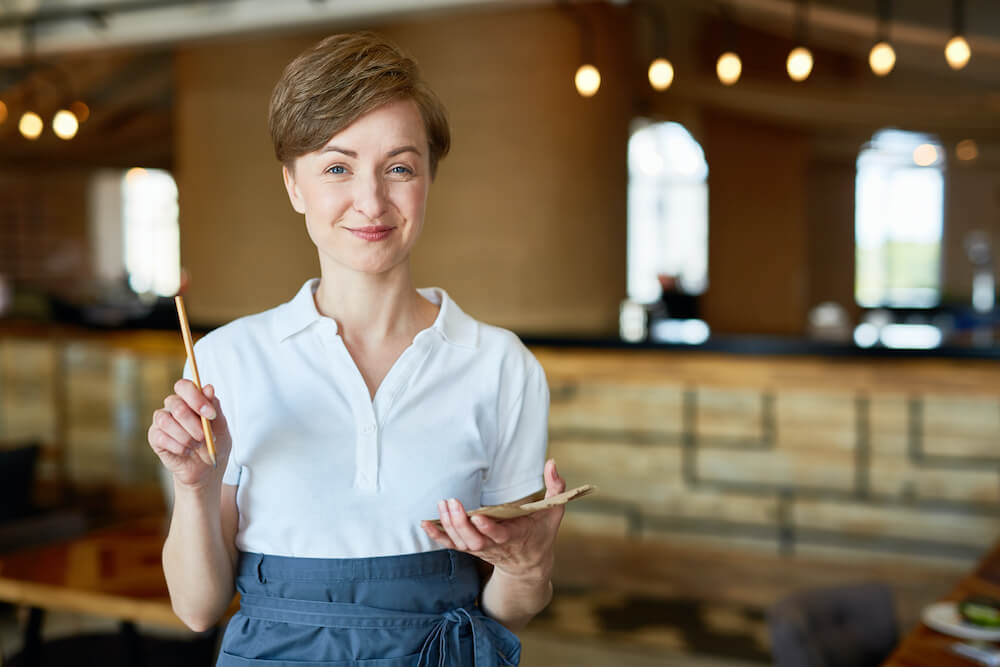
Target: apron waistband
<point x="288" y="568"/>
<point x="491" y="640"/>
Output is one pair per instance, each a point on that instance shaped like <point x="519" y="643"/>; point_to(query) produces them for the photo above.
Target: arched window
<point x="667" y="210"/>
<point x="899" y="219"/>
<point x="135" y="231"/>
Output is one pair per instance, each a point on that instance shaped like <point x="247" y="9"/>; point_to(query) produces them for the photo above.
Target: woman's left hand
<point x="521" y="547"/>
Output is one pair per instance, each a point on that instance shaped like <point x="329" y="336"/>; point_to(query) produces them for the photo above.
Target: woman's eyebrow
<point x="336" y="149"/>
<point x="353" y="154"/>
<point x="402" y="149"/>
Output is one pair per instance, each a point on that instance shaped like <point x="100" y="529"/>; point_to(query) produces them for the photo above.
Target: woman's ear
<point x="294" y="196"/>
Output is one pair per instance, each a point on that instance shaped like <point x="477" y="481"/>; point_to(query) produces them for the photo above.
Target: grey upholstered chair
<point x="846" y="626"/>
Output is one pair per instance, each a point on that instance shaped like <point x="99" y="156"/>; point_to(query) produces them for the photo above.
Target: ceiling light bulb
<point x="799" y="63"/>
<point x="882" y="58"/>
<point x="925" y="155"/>
<point x="661" y="74"/>
<point x="957" y="52"/>
<point x="65" y="124"/>
<point x="134" y="174"/>
<point x="729" y="68"/>
<point x="588" y="80"/>
<point x="966" y="150"/>
<point x="30" y="125"/>
<point x="80" y="110"/>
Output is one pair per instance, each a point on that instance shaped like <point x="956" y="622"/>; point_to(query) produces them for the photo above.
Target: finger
<point x="549" y="519"/>
<point x="195" y="399"/>
<point x="161" y="442"/>
<point x="494" y="530"/>
<point x="220" y="427"/>
<point x="202" y="452"/>
<point x="466" y="530"/>
<point x="437" y="534"/>
<point x="163" y="420"/>
<point x="185" y="416"/>
<point x="554" y="484"/>
<point x="449" y="527"/>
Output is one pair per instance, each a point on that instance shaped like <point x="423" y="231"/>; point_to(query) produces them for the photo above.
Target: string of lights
<point x="729" y="66"/>
<point x="71" y="112"/>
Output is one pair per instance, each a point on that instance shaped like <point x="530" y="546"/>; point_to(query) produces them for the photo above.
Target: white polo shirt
<point x="324" y="471"/>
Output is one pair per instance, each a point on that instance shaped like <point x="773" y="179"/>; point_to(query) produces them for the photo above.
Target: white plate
<point x="944" y="617"/>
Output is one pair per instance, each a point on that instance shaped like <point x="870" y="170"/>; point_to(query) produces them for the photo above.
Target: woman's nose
<point x="370" y="197"/>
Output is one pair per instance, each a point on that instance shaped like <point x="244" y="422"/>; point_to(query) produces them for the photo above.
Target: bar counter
<point x="764" y="445"/>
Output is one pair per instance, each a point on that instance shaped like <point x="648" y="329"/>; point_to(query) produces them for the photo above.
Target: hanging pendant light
<point x="957" y="51"/>
<point x="799" y="63"/>
<point x="80" y="110"/>
<point x="30" y="126"/>
<point x="660" y="71"/>
<point x="882" y="57"/>
<point x="661" y="74"/>
<point x="65" y="124"/>
<point x="587" y="78"/>
<point x="729" y="67"/>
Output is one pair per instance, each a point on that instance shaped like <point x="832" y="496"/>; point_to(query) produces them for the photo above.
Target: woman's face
<point x="363" y="194"/>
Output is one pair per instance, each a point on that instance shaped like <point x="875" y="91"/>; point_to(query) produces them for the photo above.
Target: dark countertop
<point x="767" y="345"/>
<point x="746" y="344"/>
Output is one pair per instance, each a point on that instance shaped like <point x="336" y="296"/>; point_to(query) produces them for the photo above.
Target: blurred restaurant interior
<point x="761" y="283"/>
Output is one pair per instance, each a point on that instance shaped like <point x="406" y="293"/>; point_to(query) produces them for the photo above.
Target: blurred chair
<point x="846" y="626"/>
<point x="22" y="523"/>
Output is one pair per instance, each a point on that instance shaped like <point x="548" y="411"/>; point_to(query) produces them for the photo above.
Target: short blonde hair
<point x="330" y="85"/>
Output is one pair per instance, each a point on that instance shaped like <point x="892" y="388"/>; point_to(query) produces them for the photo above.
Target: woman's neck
<point x="373" y="308"/>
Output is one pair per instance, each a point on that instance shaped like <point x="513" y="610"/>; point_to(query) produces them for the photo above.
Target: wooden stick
<point x="189" y="346"/>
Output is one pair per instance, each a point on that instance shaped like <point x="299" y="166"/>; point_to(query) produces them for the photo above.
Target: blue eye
<point x="400" y="169"/>
<point x="337" y="169"/>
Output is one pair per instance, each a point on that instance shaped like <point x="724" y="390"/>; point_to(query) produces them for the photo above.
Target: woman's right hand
<point x="177" y="437"/>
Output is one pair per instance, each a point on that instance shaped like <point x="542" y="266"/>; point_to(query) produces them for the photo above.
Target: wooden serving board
<point x="536" y="503"/>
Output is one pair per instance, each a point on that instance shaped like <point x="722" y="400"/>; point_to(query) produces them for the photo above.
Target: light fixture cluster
<point x="67" y="119"/>
<point x="882" y="57"/>
<point x="799" y="63"/>
<point x="65" y="122"/>
<point x="588" y="78"/>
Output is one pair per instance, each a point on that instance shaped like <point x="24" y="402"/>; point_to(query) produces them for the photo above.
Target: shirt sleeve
<point x="207" y="373"/>
<point x="519" y="459"/>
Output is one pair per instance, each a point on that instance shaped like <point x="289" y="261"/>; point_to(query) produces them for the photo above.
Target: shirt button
<point x="369" y="429"/>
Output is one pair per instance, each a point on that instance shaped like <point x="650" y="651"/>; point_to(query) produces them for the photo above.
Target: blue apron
<point x="416" y="610"/>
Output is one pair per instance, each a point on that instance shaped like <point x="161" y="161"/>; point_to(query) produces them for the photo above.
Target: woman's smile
<point x="371" y="232"/>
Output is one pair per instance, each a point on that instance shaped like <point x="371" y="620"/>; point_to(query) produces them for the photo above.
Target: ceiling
<point x="84" y="25"/>
<point x="115" y="54"/>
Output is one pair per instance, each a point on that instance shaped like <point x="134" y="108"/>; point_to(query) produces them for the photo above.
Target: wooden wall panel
<point x="526" y="220"/>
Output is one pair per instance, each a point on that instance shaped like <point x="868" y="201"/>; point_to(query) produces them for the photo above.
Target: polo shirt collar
<point x="451" y="322"/>
<point x="294" y="316"/>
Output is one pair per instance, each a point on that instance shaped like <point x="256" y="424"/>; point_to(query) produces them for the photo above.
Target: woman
<point x="343" y="417"/>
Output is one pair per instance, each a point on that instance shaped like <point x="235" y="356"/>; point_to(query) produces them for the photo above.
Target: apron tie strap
<point x="491" y="641"/>
<point x="493" y="644"/>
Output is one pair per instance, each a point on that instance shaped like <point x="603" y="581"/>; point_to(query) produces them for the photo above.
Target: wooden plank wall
<point x="867" y="458"/>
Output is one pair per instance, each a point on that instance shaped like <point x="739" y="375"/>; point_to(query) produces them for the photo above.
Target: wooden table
<point x="114" y="572"/>
<point x="924" y="647"/>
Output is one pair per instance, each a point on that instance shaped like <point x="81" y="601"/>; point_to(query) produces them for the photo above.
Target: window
<point x="152" y="236"/>
<point x="667" y="210"/>
<point x="899" y="213"/>
<point x="134" y="218"/>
